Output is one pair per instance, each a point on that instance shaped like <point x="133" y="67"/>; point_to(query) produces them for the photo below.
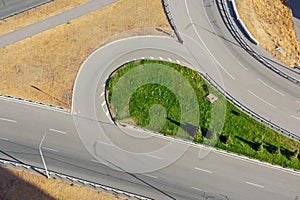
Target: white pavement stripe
<point x="100" y="142"/>
<point x="143" y="58"/>
<point x="107" y="113"/>
<point x="3" y="139"/>
<point x="103" y="85"/>
<point x="270" y="87"/>
<point x="8" y="120"/>
<point x="46" y="148"/>
<point x="206" y="48"/>
<point x="293" y="116"/>
<point x="298" y="101"/>
<point x="103" y="103"/>
<point x="102" y="94"/>
<point x="57" y="131"/>
<point x="160" y="58"/>
<point x="151" y="57"/>
<point x="151" y="176"/>
<point x="98" y="161"/>
<point x="169" y="59"/>
<point x="198" y="189"/>
<point x="178" y="61"/>
<point x="157" y="157"/>
<point x="203" y="170"/>
<point x="262" y="99"/>
<point x="254" y="184"/>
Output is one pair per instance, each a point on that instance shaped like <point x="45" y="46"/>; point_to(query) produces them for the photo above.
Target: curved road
<point x="87" y="144"/>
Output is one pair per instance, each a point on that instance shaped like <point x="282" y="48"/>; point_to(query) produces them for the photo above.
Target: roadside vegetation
<point x="239" y="132"/>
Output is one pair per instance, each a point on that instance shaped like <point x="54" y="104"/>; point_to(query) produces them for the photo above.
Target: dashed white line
<point x="143" y="58"/>
<point x="151" y="176"/>
<point x="8" y="120"/>
<point x="203" y="170"/>
<point x="103" y="103"/>
<point x="178" y="61"/>
<point x="262" y="99"/>
<point x="151" y="57"/>
<point x="157" y="157"/>
<point x="3" y="139"/>
<point x="293" y="116"/>
<point x="169" y="59"/>
<point x="160" y="58"/>
<point x="254" y="184"/>
<point x="102" y="94"/>
<point x="57" y="131"/>
<point x="198" y="189"/>
<point x="107" y="113"/>
<point x="98" y="161"/>
<point x="46" y="148"/>
<point x="270" y="87"/>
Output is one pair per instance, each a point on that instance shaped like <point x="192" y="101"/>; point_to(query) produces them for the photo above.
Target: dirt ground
<point x="16" y="184"/>
<point x="270" y="22"/>
<point x="43" y="68"/>
<point x="37" y="14"/>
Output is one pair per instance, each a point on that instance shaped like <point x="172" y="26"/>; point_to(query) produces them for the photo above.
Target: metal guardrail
<point x="32" y="102"/>
<point x="167" y="10"/>
<point x="230" y="25"/>
<point x="249" y="111"/>
<point x="71" y="179"/>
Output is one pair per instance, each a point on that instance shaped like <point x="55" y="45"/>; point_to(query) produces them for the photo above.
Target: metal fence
<point x="78" y="181"/>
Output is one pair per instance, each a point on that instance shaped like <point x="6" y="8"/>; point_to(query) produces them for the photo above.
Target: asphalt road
<point x="87" y="144"/>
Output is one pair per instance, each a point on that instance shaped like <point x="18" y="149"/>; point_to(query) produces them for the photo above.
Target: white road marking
<point x="151" y="176"/>
<point x="102" y="94"/>
<point x="157" y="157"/>
<point x="270" y="87"/>
<point x="107" y="113"/>
<point x="178" y="61"/>
<point x="293" y="116"/>
<point x="104" y="85"/>
<point x="208" y="51"/>
<point x="151" y="57"/>
<point x="100" y="142"/>
<point x="3" y="139"/>
<point x="143" y="58"/>
<point x="46" y="148"/>
<point x="8" y="120"/>
<point x="254" y="184"/>
<point x="98" y="161"/>
<point x="298" y="101"/>
<point x="198" y="189"/>
<point x="103" y="103"/>
<point x="160" y="58"/>
<point x="54" y="130"/>
<point x="169" y="59"/>
<point x="262" y="99"/>
<point x="203" y="170"/>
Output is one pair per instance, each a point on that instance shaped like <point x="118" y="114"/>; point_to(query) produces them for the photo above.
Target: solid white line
<point x="54" y="130"/>
<point x="151" y="176"/>
<point x="100" y="142"/>
<point x="3" y="139"/>
<point x="270" y="87"/>
<point x="254" y="184"/>
<point x="98" y="161"/>
<point x="204" y="170"/>
<point x="293" y="116"/>
<point x="8" y="120"/>
<point x="262" y="99"/>
<point x="46" y="148"/>
<point x="102" y="94"/>
<point x="208" y="51"/>
<point x="157" y="157"/>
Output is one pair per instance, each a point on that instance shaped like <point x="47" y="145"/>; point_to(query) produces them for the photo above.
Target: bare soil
<point x="43" y="68"/>
<point x="17" y="184"/>
<point x="270" y="22"/>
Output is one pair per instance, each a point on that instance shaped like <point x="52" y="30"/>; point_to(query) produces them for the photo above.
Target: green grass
<point x="157" y="107"/>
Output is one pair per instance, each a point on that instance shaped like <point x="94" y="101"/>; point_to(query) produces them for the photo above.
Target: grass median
<point x="156" y="106"/>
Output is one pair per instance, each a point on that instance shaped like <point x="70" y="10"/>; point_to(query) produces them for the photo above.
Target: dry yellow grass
<point x="50" y="61"/>
<point x="16" y="184"/>
<point x="37" y="14"/>
<point x="270" y="22"/>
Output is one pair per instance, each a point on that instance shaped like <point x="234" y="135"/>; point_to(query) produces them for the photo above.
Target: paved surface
<point x="51" y="22"/>
<point x="295" y="7"/>
<point x="87" y="144"/>
<point x="12" y="7"/>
